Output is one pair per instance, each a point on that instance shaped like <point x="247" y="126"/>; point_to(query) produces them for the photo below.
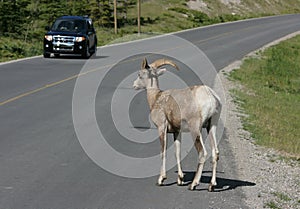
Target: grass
<point x="280" y="199"/>
<point x="281" y="196"/>
<point x="272" y="205"/>
<point x="11" y="49"/>
<point x="271" y="96"/>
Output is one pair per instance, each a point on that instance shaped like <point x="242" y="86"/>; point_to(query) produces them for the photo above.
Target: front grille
<point x="64" y="39"/>
<point x="63" y="43"/>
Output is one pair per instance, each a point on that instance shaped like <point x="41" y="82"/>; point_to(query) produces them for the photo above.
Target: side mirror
<point x="47" y="28"/>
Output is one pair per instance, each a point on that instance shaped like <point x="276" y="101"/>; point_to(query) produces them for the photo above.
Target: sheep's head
<point x="148" y="75"/>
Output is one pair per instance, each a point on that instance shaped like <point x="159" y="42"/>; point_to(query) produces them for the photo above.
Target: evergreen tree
<point x="106" y="14"/>
<point x="95" y="11"/>
<point x="26" y="19"/>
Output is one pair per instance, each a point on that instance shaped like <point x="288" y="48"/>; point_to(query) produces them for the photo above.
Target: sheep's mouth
<point x="137" y="88"/>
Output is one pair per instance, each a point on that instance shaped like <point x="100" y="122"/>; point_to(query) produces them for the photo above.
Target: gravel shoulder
<point x="277" y="179"/>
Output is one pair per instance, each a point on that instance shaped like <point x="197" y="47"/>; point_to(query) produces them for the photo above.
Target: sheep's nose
<point x="135" y="87"/>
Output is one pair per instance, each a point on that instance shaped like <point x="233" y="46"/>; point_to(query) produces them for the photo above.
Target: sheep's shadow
<point x="224" y="184"/>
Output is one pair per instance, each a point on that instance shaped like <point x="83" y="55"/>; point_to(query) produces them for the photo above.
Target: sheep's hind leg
<point x="212" y="131"/>
<point x="202" y="157"/>
<point x="177" y="142"/>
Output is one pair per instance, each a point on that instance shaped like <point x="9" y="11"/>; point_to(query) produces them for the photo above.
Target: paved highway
<point x="74" y="134"/>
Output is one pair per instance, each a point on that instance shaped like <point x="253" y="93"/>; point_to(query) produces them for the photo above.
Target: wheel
<point x="86" y="53"/>
<point x="94" y="51"/>
<point x="56" y="55"/>
<point x="95" y="48"/>
<point x="46" y="55"/>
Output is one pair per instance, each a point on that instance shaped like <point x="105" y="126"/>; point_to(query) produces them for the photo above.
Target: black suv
<point x="70" y="35"/>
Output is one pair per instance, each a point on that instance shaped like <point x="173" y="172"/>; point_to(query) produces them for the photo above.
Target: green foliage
<point x="272" y="205"/>
<point x="271" y="96"/>
<point x="14" y="16"/>
<point x="27" y="18"/>
<point x="199" y="18"/>
<point x="10" y="50"/>
<point x="179" y="10"/>
<point x="278" y="202"/>
<point x="281" y="196"/>
<point x="277" y="76"/>
<point x="229" y="17"/>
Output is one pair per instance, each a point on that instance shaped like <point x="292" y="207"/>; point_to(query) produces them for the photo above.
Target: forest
<point x="26" y="19"/>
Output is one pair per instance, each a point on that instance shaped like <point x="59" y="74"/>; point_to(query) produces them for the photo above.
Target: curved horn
<point x="160" y="62"/>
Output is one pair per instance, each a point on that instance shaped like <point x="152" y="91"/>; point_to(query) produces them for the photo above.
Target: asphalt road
<point x="88" y="142"/>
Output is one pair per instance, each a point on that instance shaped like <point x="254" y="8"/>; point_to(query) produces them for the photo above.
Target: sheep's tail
<point x="213" y="94"/>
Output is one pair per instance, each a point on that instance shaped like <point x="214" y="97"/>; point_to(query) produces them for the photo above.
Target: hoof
<point x="160" y="181"/>
<point x="180" y="181"/>
<point x="211" y="188"/>
<point x="192" y="187"/>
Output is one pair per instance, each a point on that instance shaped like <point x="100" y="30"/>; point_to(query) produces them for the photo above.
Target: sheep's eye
<point x="141" y="74"/>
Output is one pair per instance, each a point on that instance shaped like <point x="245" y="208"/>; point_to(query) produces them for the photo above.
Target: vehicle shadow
<point x="78" y="57"/>
<point x="224" y="184"/>
<point x="98" y="57"/>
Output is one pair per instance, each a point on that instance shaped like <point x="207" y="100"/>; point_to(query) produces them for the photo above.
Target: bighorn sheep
<point x="178" y="110"/>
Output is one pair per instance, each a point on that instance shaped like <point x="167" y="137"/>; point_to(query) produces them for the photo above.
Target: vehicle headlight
<point x="48" y="37"/>
<point x="80" y="39"/>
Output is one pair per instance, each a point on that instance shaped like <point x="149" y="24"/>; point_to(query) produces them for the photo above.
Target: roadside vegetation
<point x="15" y="49"/>
<point x="270" y="96"/>
<point x="22" y="22"/>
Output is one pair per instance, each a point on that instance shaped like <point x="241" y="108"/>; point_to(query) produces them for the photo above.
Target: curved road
<point x="43" y="165"/>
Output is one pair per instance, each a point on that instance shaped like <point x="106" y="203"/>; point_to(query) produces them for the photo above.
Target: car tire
<point x="86" y="53"/>
<point x="56" y="55"/>
<point x="46" y="55"/>
<point x="94" y="51"/>
<point x="95" y="48"/>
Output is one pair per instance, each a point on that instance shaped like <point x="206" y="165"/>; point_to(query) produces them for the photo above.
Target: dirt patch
<point x="276" y="178"/>
<point x="197" y="5"/>
<point x="231" y="1"/>
<point x="202" y="6"/>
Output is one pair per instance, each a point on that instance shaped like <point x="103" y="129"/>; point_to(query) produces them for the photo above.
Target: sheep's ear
<point x="145" y="64"/>
<point x="161" y="71"/>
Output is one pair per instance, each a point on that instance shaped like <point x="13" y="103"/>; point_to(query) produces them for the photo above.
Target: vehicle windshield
<point x="68" y="25"/>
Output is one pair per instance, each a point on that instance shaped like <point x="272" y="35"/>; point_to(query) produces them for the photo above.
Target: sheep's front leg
<point x="163" y="143"/>
<point x="177" y="142"/>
